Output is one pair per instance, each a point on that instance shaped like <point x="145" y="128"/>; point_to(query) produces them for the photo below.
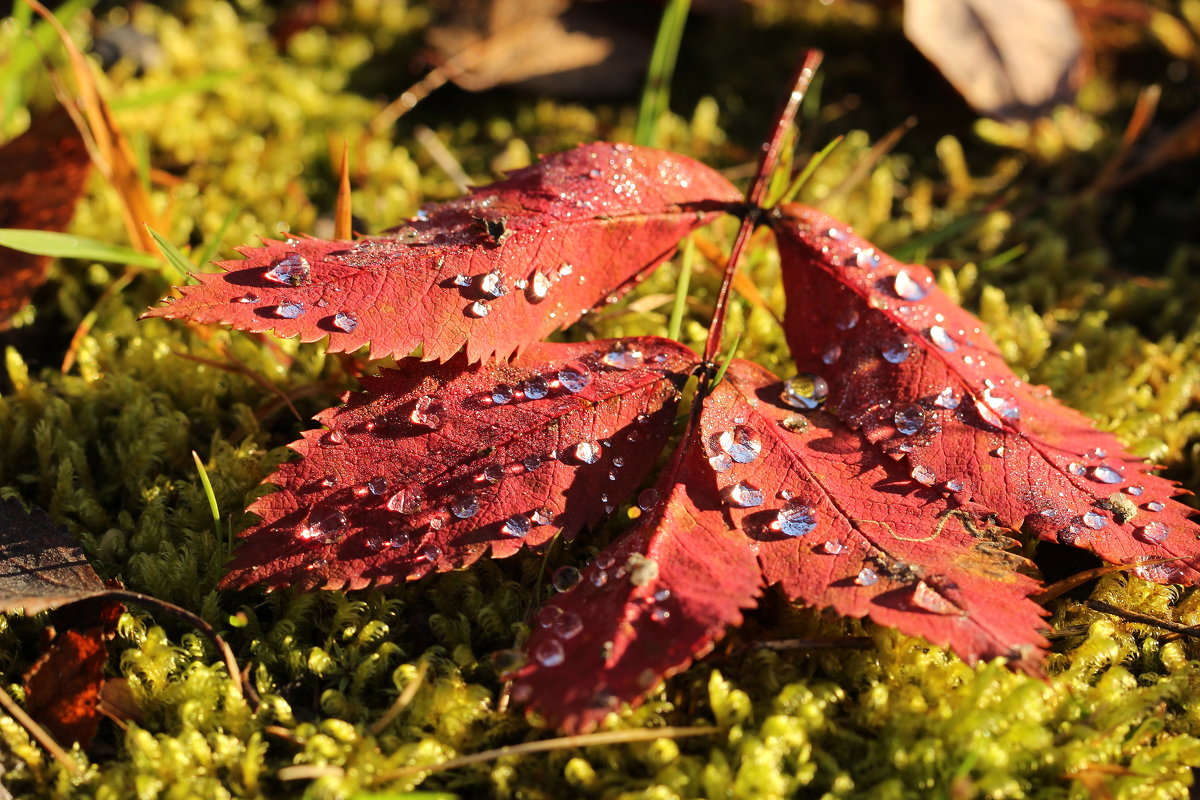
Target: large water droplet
<point x="291" y="270"/>
<point x="867" y="258"/>
<point x="248" y="297"/>
<point x="796" y="518"/>
<point x="333" y="437"/>
<point x="290" y="310"/>
<point x="743" y="444"/>
<point x="549" y="653"/>
<point x="568" y="626"/>
<point x="1095" y="520"/>
<point x="1004" y="406"/>
<point x="1155" y="505"/>
<point x="908" y="289"/>
<point x="321" y="524"/>
<point x="574" y="377"/>
<point x="742" y="495"/>
<point x="565" y="578"/>
<point x="896" y="352"/>
<point x="954" y="485"/>
<point x="847" y="320"/>
<point x="866" y="577"/>
<point x="648" y="499"/>
<point x="947" y="399"/>
<point x="377" y="485"/>
<point x="502" y="394"/>
<point x="345" y="321"/>
<point x="923" y="475"/>
<point x="492" y="284"/>
<point x="1105" y="474"/>
<point x="943" y="340"/>
<point x="831" y="354"/>
<point x="462" y="280"/>
<point x="587" y="452"/>
<point x="910" y="420"/>
<point x="721" y="462"/>
<point x="541" y="516"/>
<point x="535" y="388"/>
<point x="492" y="474"/>
<point x="406" y="501"/>
<point x="479" y="309"/>
<point x="806" y="391"/>
<point x="516" y="526"/>
<point x="1153" y="533"/>
<point x="796" y="423"/>
<point x="426" y="413"/>
<point x="1135" y="491"/>
<point x="1068" y="535"/>
<point x="931" y="600"/>
<point x="538" y="288"/>
<point x="833" y="547"/>
<point x="465" y="507"/>
<point x="628" y="357"/>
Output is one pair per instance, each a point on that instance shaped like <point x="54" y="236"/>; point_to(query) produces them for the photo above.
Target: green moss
<point x="1107" y="321"/>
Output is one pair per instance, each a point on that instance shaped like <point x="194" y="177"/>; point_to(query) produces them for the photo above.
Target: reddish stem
<point x="758" y="192"/>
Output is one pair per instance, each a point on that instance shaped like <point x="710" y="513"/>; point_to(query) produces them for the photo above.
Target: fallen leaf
<point x="41" y="565"/>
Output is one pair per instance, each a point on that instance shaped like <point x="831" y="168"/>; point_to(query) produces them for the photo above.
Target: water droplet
<point x="796" y="423"/>
<point x="502" y="394"/>
<point x="549" y="653"/>
<point x="565" y="269"/>
<point x="931" y="600"/>
<point x="406" y="501"/>
<point x="954" y="485"/>
<point x="806" y="391"/>
<point x="491" y="474"/>
<point x="1095" y="520"/>
<point x="833" y="547"/>
<point x="536" y="388"/>
<point x="479" y="309"/>
<point x="568" y="626"/>
<point x="290" y="310"/>
<point x="492" y="284"/>
<point x="465" y="507"/>
<point x="1004" y="406"/>
<point x="742" y="495"/>
<point x="660" y="615"/>
<point x="541" y="516"/>
<point x="506" y="661"/>
<point x="599" y="578"/>
<point x="866" y="577"/>
<point x="516" y="526"/>
<point x="939" y="336"/>
<point x="377" y="485"/>
<point x="291" y="270"/>
<point x="431" y="553"/>
<point x="721" y="462"/>
<point x="333" y="437"/>
<point x="1068" y="535"/>
<point x="566" y="578"/>
<point x="796" y="519"/>
<point x="867" y="258"/>
<point x="908" y="289"/>
<point x="574" y="377"/>
<point x="831" y="354"/>
<point x="321" y="524"/>
<point x="1155" y="505"/>
<point x="587" y="452"/>
<point x="462" y="280"/>
<point x="547" y="616"/>
<point x="998" y="452"/>
<point x="947" y="399"/>
<point x="648" y="499"/>
<point x="847" y="321"/>
<point x="329" y="480"/>
<point x="538" y="288"/>
<point x="1153" y="533"/>
<point x="662" y="595"/>
<point x="627" y="357"/>
<point x="346" y="321"/>
<point x="987" y="415"/>
<point x="248" y="297"/>
<point x="835" y="234"/>
<point x="426" y="413"/>
<point x="910" y="420"/>
<point x="743" y="445"/>
<point x="1075" y="468"/>
<point x="923" y="475"/>
<point x="896" y="352"/>
<point x="1136" y="491"/>
<point x="1105" y="474"/>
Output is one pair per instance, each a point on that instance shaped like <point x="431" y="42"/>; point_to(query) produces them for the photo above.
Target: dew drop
<point x="908" y="289"/>
<point x="742" y="495"/>
<point x="465" y="507"/>
<point x="648" y="499"/>
<point x="291" y="270"/>
<point x="538" y="288"/>
<point x="1155" y="505"/>
<point x="910" y="420"/>
<point x="796" y="423"/>
<point x="831" y="354"/>
<point x="1095" y="520"/>
<point x="954" y="485"/>
<point x="947" y="399"/>
<point x="550" y="653"/>
<point x="479" y="309"/>
<point x="568" y="626"/>
<point x="574" y="377"/>
<point x="492" y="284"/>
<point x="248" y="297"/>
<point x="660" y="615"/>
<point x="329" y="480"/>
<point x="290" y="310"/>
<point x="796" y="519"/>
<point x="587" y="452"/>
<point x="406" y="501"/>
<point x="833" y="547"/>
<point x="516" y="526"/>
<point x="566" y="578"/>
<point x="531" y="463"/>
<point x="1068" y="535"/>
<point x="1075" y="468"/>
<point x="931" y="600"/>
<point x="847" y="321"/>
<point x="377" y="485"/>
<point x="1105" y="474"/>
<point x="599" y="578"/>
<point x="923" y="475"/>
<point x="628" y="357"/>
<point x="806" y="391"/>
<point x="1153" y="533"/>
<point x="536" y="388"/>
<point x="502" y="394"/>
<point x="462" y="280"/>
<point x="867" y="258"/>
<point x="333" y="437"/>
<point x="896" y="352"/>
<point x="1135" y="491"/>
<point x="541" y="516"/>
<point x="866" y="577"/>
<point x="492" y="474"/>
<point x="721" y="462"/>
<point x="322" y="524"/>
<point x="943" y="340"/>
<point x="426" y="413"/>
<point x="547" y="616"/>
<point x="345" y="321"/>
<point x="743" y="444"/>
<point x="431" y="553"/>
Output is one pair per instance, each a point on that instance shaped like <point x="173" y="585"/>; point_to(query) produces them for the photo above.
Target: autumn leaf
<point x="42" y="175"/>
<point x="765" y="494"/>
<point x="917" y="375"/>
<point x="501" y="268"/>
<point x="434" y="464"/>
<point x="41" y="565"/>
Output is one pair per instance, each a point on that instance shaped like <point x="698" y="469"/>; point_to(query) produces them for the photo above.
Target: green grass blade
<point x="214" y="242"/>
<point x="210" y="494"/>
<point x="916" y="249"/>
<point x="657" y="91"/>
<point x="27" y="52"/>
<point x="681" y="289"/>
<point x="66" y="245"/>
<point x="725" y="364"/>
<point x="811" y="167"/>
<point x="153" y="97"/>
<point x="177" y="259"/>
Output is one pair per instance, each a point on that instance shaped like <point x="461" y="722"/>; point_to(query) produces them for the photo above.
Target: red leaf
<point x="919" y="377"/>
<point x="841" y="525"/>
<point x="42" y="175"/>
<point x="649" y="604"/>
<point x="503" y="267"/>
<point x="435" y="463"/>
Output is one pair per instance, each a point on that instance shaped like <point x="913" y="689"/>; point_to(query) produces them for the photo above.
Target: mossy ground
<point x="1098" y="301"/>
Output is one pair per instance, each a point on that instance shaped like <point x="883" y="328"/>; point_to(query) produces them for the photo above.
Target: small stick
<point x="1144" y="619"/>
<point x="406" y="697"/>
<point x="819" y="643"/>
<point x="442" y="157"/>
<point x="39" y="733"/>
<point x="342" y="225"/>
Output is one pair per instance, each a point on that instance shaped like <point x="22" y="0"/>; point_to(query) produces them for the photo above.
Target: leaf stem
<point x="757" y="193"/>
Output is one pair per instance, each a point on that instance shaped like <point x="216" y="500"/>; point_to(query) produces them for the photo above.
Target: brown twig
<point x="1192" y="631"/>
<point x="40" y="734"/>
<point x="406" y="697"/>
<point x="862" y="168"/>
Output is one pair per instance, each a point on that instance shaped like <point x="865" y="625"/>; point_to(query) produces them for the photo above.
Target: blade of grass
<point x="725" y="364"/>
<point x="657" y="91"/>
<point x="681" y="289"/>
<point x="66" y="245"/>
<point x="342" y="225"/>
<point x="210" y="494"/>
<point x="214" y="242"/>
<point x="174" y="257"/>
<point x="862" y="168"/>
<point x="810" y="168"/>
<point x="154" y="97"/>
<point x="25" y="52"/>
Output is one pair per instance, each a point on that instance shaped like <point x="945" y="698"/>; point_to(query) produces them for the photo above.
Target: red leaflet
<point x="42" y="175"/>
<point x="434" y="464"/>
<point x="499" y="269"/>
<point x="763" y="494"/>
<point x="919" y="377"/>
<point x="649" y="604"/>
